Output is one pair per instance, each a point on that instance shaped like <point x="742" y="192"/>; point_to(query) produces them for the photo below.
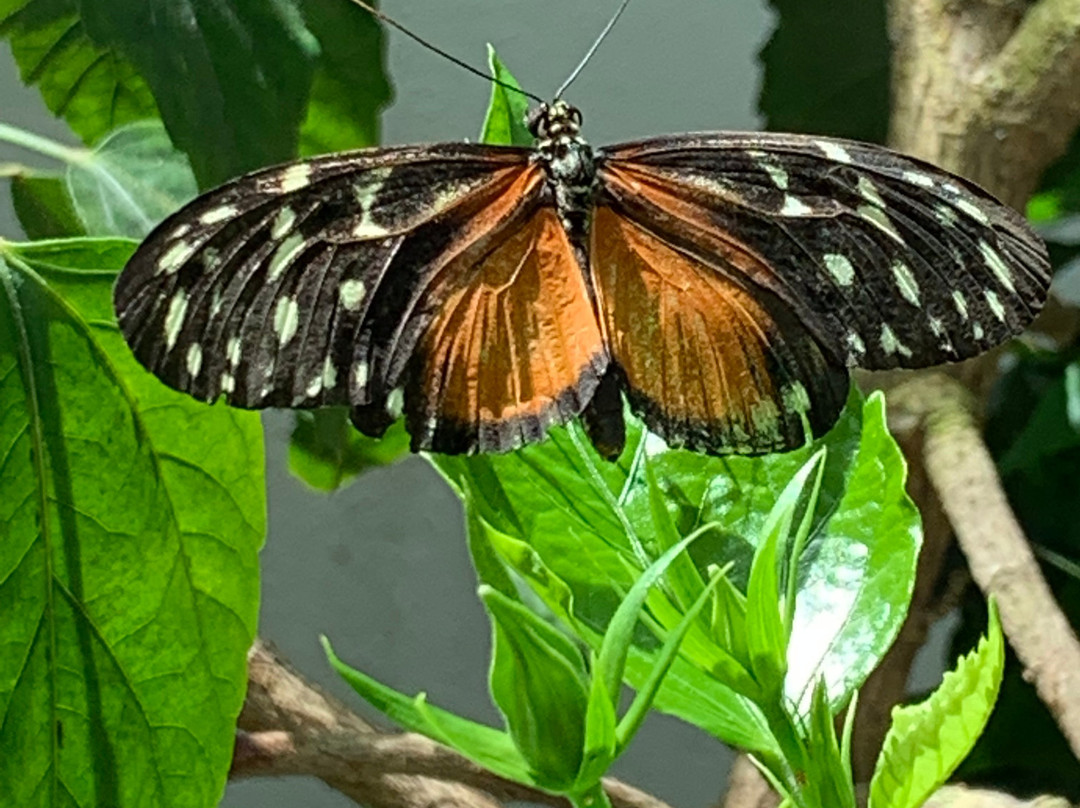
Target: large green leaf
<point x="350" y="87"/>
<point x="93" y="88"/>
<point x="827" y="69"/>
<point x="124" y="186"/>
<point x="130" y="181"/>
<point x="231" y="77"/>
<point x="130" y="519"/>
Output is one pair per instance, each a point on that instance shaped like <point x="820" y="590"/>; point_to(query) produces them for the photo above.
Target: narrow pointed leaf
<point x="505" y="121"/>
<point x="489" y="747"/>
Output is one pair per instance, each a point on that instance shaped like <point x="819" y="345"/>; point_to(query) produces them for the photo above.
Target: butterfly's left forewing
<point x="323" y="282"/>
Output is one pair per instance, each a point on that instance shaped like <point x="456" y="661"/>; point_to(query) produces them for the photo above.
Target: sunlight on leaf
<point x="132" y="516"/>
<point x="505" y="121"/>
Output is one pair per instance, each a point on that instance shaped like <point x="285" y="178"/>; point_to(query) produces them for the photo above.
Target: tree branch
<point x="1002" y="564"/>
<point x="290" y="726"/>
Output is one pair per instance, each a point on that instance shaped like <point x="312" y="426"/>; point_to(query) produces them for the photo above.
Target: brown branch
<point x="290" y="726"/>
<point x="1002" y="564"/>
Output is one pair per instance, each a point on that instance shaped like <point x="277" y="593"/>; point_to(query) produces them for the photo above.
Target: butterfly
<point x="723" y="283"/>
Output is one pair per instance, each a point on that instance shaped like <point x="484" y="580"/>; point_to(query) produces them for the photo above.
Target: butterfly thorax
<point x="568" y="163"/>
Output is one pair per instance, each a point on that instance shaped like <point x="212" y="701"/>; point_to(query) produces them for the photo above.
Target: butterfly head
<point x="550" y="121"/>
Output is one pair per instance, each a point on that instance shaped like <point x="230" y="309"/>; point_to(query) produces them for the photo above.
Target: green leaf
<point x="587" y="520"/>
<point x="539" y="683"/>
<point x="600" y="742"/>
<point x="327" y="453"/>
<point x="841" y="89"/>
<point x="44" y="208"/>
<point x="131" y="518"/>
<point x="349" y="88"/>
<point x="830" y="773"/>
<point x="130" y="181"/>
<point x="505" y="121"/>
<point x="92" y="87"/>
<point x="927" y="741"/>
<point x="766" y="632"/>
<point x="646" y="694"/>
<point x="247" y="67"/>
<point x="491" y="748"/>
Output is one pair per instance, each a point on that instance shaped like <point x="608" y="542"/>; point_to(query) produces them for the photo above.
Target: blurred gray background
<point x="381" y="567"/>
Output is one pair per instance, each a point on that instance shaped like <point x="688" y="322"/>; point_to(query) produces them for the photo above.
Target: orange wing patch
<point x="514" y="349"/>
<point x="708" y="363"/>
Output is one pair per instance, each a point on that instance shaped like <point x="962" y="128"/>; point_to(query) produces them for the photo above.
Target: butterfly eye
<point x="537" y="121"/>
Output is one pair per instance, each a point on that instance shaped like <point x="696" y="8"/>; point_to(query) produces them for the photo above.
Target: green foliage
<point x="562" y="731"/>
<point x="841" y="88"/>
<point x="927" y="741"/>
<point x="327" y="453"/>
<point x="131" y="518"/>
<point x="349" y="88"/>
<point x="44" y="207"/>
<point x="505" y="120"/>
<point x="93" y="87"/>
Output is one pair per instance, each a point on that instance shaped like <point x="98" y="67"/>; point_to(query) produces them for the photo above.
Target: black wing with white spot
<point x="304" y="285"/>
<point x="886" y="260"/>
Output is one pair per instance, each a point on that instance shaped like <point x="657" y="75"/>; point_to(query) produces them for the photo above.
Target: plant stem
<point x="592" y="797"/>
<point x="41" y="145"/>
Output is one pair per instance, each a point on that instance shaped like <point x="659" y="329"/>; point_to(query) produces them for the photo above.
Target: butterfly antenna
<point x="592" y="50"/>
<point x="389" y="21"/>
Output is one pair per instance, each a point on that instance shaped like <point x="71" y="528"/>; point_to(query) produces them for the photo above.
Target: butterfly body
<point x="722" y="282"/>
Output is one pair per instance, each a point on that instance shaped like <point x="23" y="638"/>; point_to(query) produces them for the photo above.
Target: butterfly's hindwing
<point x="514" y="346"/>
<point x="888" y="261"/>
<point x="709" y="362"/>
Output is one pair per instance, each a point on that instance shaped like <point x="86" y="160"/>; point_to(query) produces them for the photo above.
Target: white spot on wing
<point x="794" y="207"/>
<point x="977" y="330"/>
<point x="360" y="375"/>
<point x="215" y="215"/>
<point x="972" y="211"/>
<point x="776" y="173"/>
<point x="995" y="305"/>
<point x="840" y="268"/>
<point x="232" y="351"/>
<point x="890" y="344"/>
<point x="286" y="320"/>
<point x="352" y="294"/>
<point x="920" y="179"/>
<point x="876" y="216"/>
<point x="329" y="374"/>
<point x="961" y="304"/>
<point x="174" y="317"/>
<point x="395" y="402"/>
<point x="228" y="383"/>
<point x="997" y="266"/>
<point x="194" y="359"/>
<point x="869" y="192"/>
<point x="856" y="346"/>
<point x="173" y="258"/>
<point x="284" y="255"/>
<point x="295" y="177"/>
<point x="283" y="223"/>
<point x="834" y="151"/>
<point x="906" y="283"/>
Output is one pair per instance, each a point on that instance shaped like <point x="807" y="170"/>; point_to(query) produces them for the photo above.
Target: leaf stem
<point x="592" y="797"/>
<point x="42" y="145"/>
